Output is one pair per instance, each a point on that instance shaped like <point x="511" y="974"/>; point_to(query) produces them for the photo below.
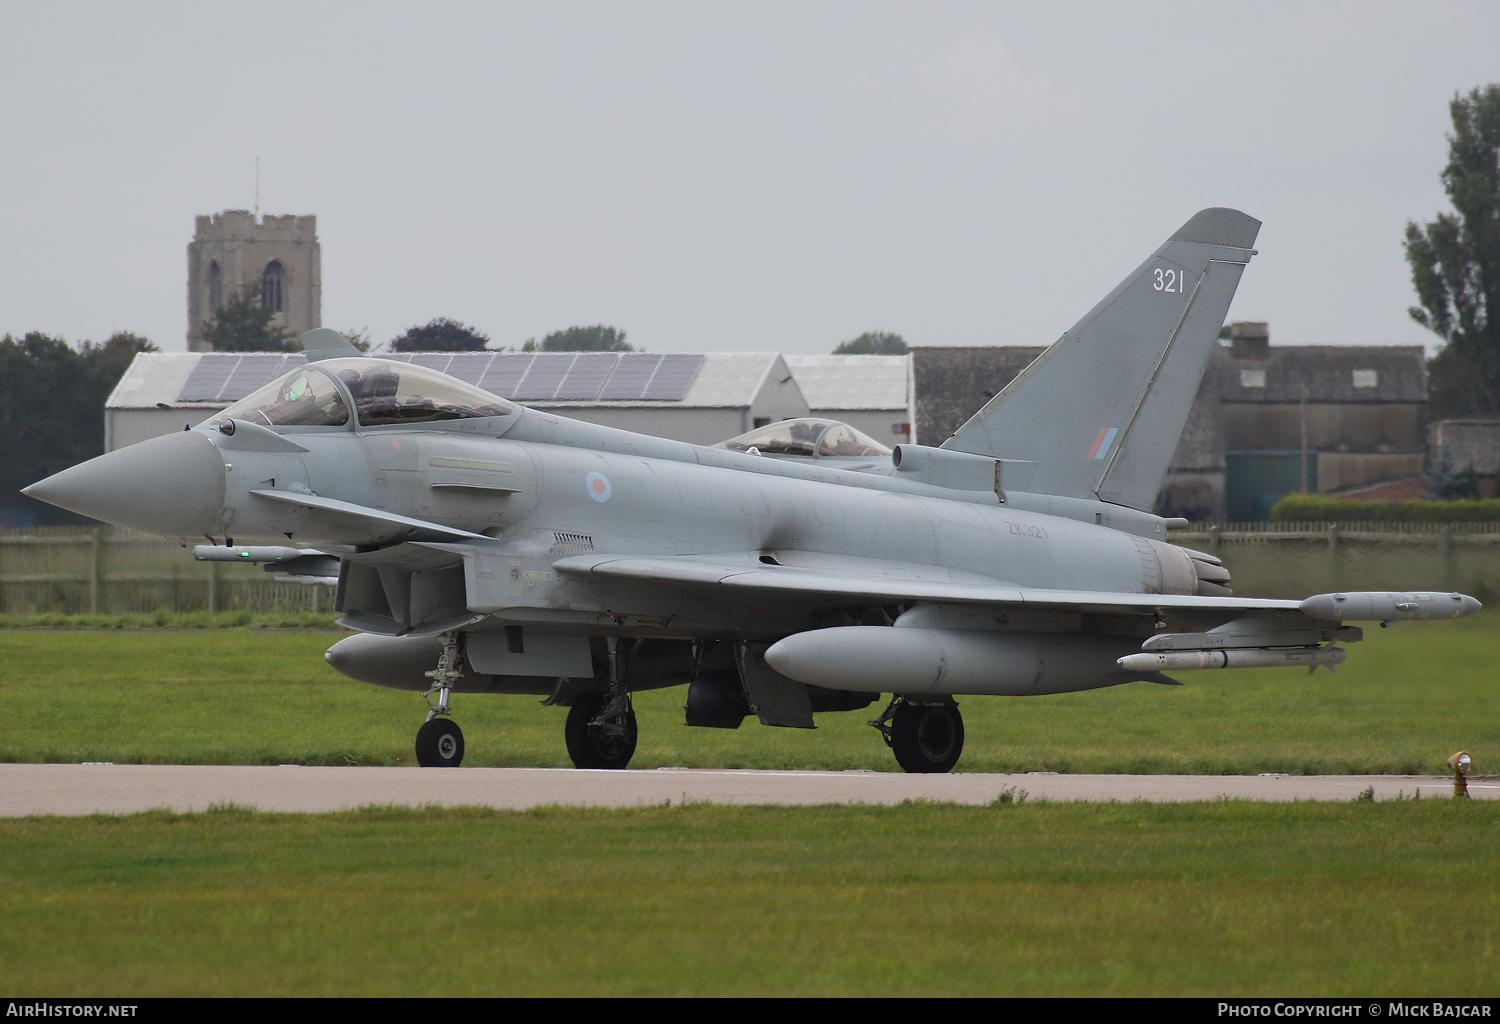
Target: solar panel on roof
<point x="673" y="377"/>
<point x="469" y="367"/>
<point x="587" y="375"/>
<point x="540" y="377"/>
<point x="546" y="373"/>
<point x="433" y="360"/>
<point x="505" y="372"/>
<point x="631" y="375"/>
<point x="255" y="370"/>
<point x="207" y="378"/>
<point x="230" y="376"/>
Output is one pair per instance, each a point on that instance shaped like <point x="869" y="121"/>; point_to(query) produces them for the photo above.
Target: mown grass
<point x="1405" y="700"/>
<point x="1217" y="899"/>
<point x="163" y="618"/>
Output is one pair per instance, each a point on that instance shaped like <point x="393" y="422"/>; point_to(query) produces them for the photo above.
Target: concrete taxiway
<point x="75" y="789"/>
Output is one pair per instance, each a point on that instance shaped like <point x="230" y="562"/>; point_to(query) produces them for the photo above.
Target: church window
<point x="270" y="285"/>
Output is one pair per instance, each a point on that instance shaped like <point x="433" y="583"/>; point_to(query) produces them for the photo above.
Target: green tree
<point x="1455" y="264"/>
<point x="52" y="412"/>
<point x="597" y="338"/>
<point x="873" y="343"/>
<point x="440" y="335"/>
<point x="243" y="325"/>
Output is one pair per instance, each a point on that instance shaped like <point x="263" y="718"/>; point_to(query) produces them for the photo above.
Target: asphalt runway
<point x="75" y="789"/>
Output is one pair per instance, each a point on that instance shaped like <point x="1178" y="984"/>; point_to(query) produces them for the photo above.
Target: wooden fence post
<point x="96" y="568"/>
<point x="1449" y="582"/>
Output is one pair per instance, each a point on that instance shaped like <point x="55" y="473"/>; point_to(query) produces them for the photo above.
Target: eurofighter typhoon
<point x="483" y="547"/>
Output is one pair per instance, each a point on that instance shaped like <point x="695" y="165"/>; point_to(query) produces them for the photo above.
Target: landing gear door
<point x="775" y="699"/>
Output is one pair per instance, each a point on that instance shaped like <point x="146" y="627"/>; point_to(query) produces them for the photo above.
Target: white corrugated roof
<point x="852" y="382"/>
<point x="153" y="378"/>
<point x="728" y="380"/>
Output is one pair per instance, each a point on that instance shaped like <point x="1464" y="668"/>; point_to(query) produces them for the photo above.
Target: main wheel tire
<point x="590" y="746"/>
<point x="440" y="744"/>
<point x="927" y="739"/>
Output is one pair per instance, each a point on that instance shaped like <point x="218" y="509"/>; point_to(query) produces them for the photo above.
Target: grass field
<point x="1406" y="699"/>
<point x="1219" y="899"/>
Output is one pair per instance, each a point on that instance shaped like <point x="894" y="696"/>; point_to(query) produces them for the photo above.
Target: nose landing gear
<point x="440" y="742"/>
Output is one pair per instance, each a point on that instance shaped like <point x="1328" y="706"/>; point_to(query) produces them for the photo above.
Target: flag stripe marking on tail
<point x="1105" y="438"/>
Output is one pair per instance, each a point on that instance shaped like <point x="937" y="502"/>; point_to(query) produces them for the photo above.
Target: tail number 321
<point x="1169" y="280"/>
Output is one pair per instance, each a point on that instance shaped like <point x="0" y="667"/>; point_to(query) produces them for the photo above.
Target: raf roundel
<point x="598" y="486"/>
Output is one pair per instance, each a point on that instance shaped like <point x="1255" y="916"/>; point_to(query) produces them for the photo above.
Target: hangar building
<point x="1347" y="415"/>
<point x="702" y="398"/>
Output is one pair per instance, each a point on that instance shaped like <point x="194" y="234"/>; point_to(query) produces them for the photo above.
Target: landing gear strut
<point x="440" y="742"/>
<point x="926" y="736"/>
<point x="601" y="724"/>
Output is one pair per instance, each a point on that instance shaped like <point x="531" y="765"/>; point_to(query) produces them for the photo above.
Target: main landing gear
<point x="925" y="733"/>
<point x="601" y="724"/>
<point x="601" y="730"/>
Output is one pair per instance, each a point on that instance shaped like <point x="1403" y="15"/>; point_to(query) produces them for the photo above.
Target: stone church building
<point x="278" y="256"/>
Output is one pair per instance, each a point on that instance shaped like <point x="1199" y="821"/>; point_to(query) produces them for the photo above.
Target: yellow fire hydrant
<point x="1461" y="763"/>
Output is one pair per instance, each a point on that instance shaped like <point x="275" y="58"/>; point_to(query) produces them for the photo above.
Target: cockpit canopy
<point x="809" y="437"/>
<point x="383" y="392"/>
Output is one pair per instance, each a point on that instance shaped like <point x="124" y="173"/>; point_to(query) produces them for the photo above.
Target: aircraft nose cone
<point x="172" y="486"/>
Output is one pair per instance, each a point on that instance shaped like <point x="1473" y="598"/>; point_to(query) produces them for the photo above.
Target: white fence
<point x="1289" y="560"/>
<point x="107" y="571"/>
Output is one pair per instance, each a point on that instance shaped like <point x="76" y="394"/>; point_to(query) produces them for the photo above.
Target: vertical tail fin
<point x="1102" y="410"/>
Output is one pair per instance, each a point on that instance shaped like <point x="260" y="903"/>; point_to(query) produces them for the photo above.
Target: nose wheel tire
<point x="601" y="731"/>
<point x="927" y="739"/>
<point x="440" y="744"/>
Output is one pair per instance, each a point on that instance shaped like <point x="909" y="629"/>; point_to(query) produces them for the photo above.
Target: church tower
<point x="279" y="256"/>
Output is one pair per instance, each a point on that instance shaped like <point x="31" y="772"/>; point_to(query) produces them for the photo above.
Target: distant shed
<point x="1467" y="444"/>
<point x="146" y="402"/>
<point x="951" y="384"/>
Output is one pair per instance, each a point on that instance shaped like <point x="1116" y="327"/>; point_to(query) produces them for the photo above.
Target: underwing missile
<point x="1252" y="658"/>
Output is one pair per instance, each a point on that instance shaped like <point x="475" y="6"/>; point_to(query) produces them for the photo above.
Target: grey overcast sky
<point x="722" y="175"/>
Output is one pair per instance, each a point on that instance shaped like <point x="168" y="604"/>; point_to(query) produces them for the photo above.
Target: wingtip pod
<point x="1219" y="225"/>
<point x="1389" y="606"/>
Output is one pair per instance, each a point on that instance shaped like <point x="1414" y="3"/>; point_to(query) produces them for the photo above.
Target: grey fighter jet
<point x="482" y="547"/>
